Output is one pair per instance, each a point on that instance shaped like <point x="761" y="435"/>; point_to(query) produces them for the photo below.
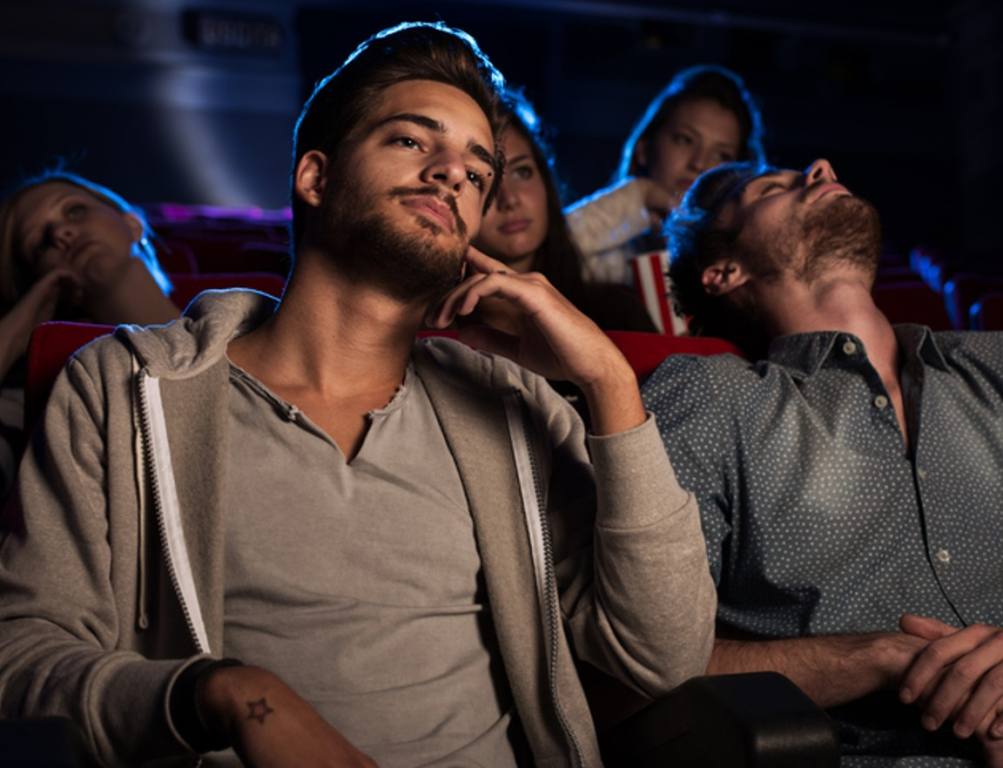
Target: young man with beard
<point x="848" y="475"/>
<point x="396" y="539"/>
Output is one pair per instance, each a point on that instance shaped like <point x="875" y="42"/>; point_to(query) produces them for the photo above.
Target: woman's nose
<point x="507" y="197"/>
<point x="63" y="234"/>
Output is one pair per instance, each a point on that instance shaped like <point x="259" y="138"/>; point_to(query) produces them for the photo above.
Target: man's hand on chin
<point x="553" y="338"/>
<point x="959" y="677"/>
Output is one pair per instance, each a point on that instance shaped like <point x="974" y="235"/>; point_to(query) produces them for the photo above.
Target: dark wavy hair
<point x="699" y="83"/>
<point x="697" y="239"/>
<point x="408" y="51"/>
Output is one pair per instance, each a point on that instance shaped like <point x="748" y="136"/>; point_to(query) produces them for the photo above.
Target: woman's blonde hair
<point x="16" y="278"/>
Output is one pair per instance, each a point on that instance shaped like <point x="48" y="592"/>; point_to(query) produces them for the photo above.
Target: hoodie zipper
<point x="146" y="424"/>
<point x="549" y="590"/>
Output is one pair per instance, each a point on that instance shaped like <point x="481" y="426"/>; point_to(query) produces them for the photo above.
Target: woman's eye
<point x="771" y="187"/>
<point x="682" y="139"/>
<point x="523" y="172"/>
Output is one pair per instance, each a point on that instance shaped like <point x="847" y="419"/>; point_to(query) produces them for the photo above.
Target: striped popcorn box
<point x="652" y="284"/>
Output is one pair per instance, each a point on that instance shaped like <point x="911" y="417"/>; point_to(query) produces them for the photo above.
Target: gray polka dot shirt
<point x="818" y="519"/>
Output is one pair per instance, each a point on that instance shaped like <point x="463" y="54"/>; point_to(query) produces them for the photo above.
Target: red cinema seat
<point x="187" y="287"/>
<point x="50" y="347"/>
<point x="912" y="302"/>
<point x="646" y="351"/>
<point x="175" y="256"/>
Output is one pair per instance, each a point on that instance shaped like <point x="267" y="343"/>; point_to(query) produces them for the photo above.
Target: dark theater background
<point x="194" y="102"/>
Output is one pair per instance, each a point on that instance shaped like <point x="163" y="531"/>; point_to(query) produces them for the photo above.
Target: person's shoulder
<point x="493" y="378"/>
<point x="103" y="353"/>
<point x="475" y="368"/>
<point x="971" y="350"/>
<point x="703" y="386"/>
<point x="988" y="342"/>
<point x="719" y="370"/>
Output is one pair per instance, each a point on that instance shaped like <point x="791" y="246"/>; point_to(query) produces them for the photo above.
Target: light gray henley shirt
<point x="360" y="584"/>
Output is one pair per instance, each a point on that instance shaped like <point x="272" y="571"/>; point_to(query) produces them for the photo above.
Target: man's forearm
<point x="831" y="670"/>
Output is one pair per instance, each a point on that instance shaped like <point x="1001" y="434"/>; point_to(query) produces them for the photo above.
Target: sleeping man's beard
<point x="369" y="248"/>
<point x="847" y="231"/>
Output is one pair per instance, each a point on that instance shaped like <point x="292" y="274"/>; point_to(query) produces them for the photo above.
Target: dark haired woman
<point x="525" y="227"/>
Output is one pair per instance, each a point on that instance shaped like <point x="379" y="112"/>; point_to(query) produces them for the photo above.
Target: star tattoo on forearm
<point x="259" y="710"/>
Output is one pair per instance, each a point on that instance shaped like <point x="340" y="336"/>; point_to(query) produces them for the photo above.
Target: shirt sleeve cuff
<point x="635" y="483"/>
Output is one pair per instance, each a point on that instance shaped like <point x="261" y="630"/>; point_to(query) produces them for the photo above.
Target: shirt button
<point x="881" y="402"/>
<point x="849" y="348"/>
<point x="943" y="556"/>
<point x="921" y="473"/>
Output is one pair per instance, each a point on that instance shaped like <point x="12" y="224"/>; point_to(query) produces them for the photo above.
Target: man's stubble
<point x="369" y="248"/>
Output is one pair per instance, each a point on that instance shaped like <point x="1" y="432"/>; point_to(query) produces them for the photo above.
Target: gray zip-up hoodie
<point x="115" y="583"/>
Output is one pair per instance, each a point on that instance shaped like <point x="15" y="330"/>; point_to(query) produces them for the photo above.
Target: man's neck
<point x="331" y="337"/>
<point x="839" y="302"/>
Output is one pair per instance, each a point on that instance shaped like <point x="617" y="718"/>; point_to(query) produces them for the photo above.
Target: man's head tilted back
<point x="743" y="226"/>
<point x="395" y="159"/>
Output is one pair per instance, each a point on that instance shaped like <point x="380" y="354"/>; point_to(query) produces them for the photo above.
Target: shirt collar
<point x="919" y="341"/>
<point x="804" y="353"/>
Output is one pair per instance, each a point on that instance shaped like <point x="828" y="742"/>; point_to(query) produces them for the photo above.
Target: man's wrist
<point x="614" y="402"/>
<point x="887" y="654"/>
<point x="185" y="704"/>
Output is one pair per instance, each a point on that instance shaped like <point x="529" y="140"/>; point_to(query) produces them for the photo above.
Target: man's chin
<point x="846" y="230"/>
<point x="409" y="262"/>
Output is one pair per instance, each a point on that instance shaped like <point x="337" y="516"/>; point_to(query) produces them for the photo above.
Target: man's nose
<point x="446" y="169"/>
<point x="820" y="170"/>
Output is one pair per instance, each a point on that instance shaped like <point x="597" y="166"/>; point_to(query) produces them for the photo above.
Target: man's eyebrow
<point x="764" y="177"/>
<point x="482" y="154"/>
<point x="434" y="125"/>
<point x="410" y="117"/>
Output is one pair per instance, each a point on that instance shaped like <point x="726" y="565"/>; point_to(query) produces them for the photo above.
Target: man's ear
<point x="724" y="276"/>
<point x="311" y="177"/>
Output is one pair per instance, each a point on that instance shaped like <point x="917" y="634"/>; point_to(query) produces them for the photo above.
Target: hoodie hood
<point x="190" y="345"/>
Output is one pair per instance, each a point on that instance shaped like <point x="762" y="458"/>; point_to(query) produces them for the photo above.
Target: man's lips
<point x="432" y="208"/>
<point x="830" y="187"/>
<point x="514" y="226"/>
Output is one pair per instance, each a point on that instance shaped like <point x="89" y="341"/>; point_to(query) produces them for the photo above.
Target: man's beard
<point x="367" y="248"/>
<point x="847" y="231"/>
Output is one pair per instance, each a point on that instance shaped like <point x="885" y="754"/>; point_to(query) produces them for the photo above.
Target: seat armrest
<point x="754" y="720"/>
